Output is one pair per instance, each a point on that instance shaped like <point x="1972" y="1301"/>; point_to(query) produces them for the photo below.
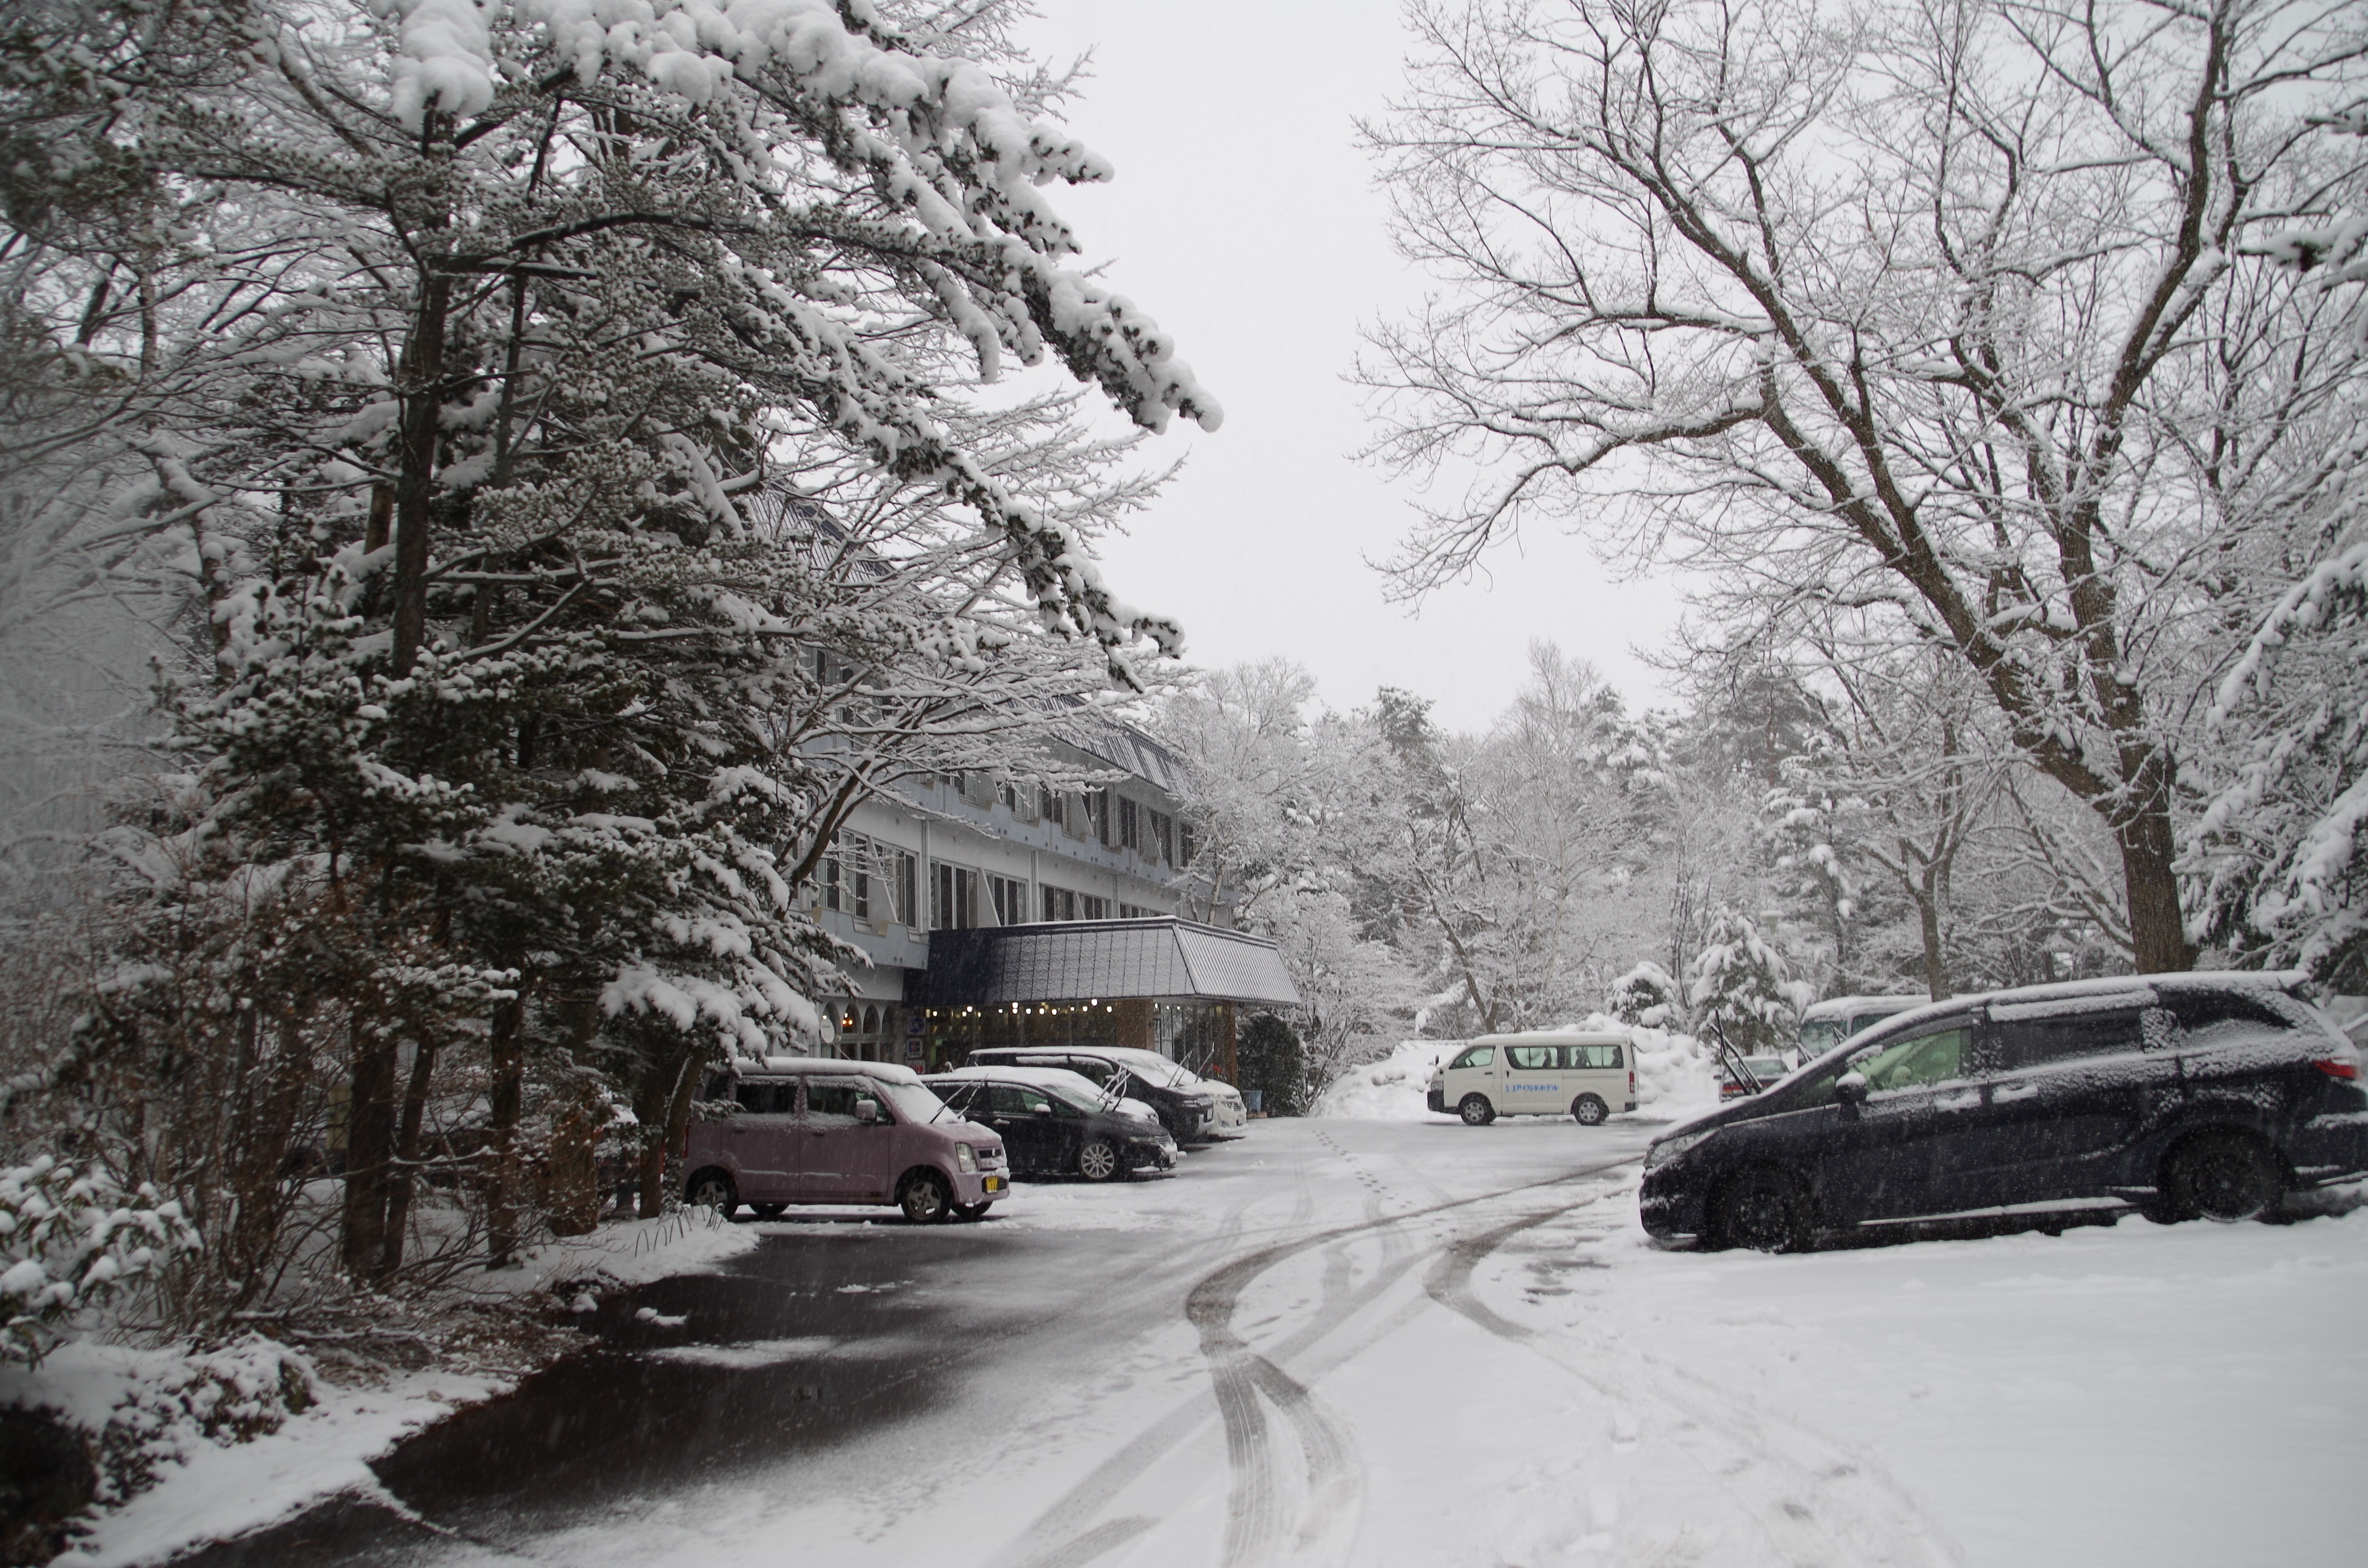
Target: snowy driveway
<point x="1376" y="1343"/>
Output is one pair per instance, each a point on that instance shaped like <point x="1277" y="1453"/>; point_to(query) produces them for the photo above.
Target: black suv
<point x="1188" y="1115"/>
<point x="2181" y="1096"/>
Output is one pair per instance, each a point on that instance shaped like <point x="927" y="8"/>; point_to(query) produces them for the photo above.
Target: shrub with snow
<point x="69" y="1241"/>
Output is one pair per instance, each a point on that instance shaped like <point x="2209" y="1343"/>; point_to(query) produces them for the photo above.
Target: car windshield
<point x="913" y="1102"/>
<point x="1073" y="1096"/>
<point x="1154" y="1069"/>
<point x="1820" y="1035"/>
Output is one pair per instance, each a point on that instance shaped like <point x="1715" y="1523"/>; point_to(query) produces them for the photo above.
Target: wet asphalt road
<point x="860" y="1356"/>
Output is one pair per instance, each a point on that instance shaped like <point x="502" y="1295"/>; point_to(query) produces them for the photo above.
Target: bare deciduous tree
<point x="1943" y="312"/>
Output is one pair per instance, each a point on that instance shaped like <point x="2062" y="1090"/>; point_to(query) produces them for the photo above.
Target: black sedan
<point x="2181" y="1096"/>
<point x="1054" y="1123"/>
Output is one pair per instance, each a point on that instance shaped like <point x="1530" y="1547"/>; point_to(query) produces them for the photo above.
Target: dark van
<point x="2181" y="1096"/>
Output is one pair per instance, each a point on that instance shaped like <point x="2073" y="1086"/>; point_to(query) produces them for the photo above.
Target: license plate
<point x="993" y="1184"/>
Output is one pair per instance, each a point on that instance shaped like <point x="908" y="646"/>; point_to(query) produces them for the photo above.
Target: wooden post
<point x="1229" y="1056"/>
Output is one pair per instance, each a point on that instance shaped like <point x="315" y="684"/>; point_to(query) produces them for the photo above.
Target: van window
<point x="768" y="1099"/>
<point x="1531" y="1056"/>
<point x="830" y="1102"/>
<point x="1933" y="1057"/>
<point x="1475" y="1056"/>
<point x="1593" y="1056"/>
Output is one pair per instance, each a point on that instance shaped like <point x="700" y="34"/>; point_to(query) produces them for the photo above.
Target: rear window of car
<point x="2035" y="1042"/>
<point x="2199" y="1010"/>
<point x="767" y="1096"/>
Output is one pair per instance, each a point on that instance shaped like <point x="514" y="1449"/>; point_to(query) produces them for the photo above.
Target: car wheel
<point x="769" y="1210"/>
<point x="1099" y="1161"/>
<point x="712" y="1189"/>
<point x="924" y="1198"/>
<point x="970" y="1212"/>
<point x="2225" y="1176"/>
<point x="1476" y="1111"/>
<point x="1589" y="1111"/>
<point x="1763" y="1209"/>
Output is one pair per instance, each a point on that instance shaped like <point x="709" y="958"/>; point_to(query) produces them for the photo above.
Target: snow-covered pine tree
<point x="1740" y="987"/>
<point x="457" y="346"/>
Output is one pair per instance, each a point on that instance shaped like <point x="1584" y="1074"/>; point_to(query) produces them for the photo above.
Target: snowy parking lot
<point x="1413" y="1342"/>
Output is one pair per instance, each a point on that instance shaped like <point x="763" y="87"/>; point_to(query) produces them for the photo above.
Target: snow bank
<point x="1677" y="1075"/>
<point x="206" y="1444"/>
<point x="1391" y="1089"/>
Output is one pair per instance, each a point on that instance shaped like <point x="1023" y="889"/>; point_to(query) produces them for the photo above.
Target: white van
<point x="1544" y="1073"/>
<point x="1827" y="1024"/>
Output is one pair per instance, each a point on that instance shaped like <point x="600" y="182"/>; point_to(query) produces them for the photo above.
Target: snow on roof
<point x="891" y="1070"/>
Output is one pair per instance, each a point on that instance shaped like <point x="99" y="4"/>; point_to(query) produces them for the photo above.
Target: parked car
<point x="1231" y="1113"/>
<point x="1185" y="1108"/>
<point x="1544" y="1073"/>
<point x="1765" y="1073"/>
<point x="1055" y="1122"/>
<point x="2181" y="1096"/>
<point x="812" y="1129"/>
<point x="1827" y="1024"/>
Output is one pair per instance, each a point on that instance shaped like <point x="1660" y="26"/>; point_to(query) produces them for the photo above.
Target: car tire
<point x="769" y="1210"/>
<point x="1589" y="1111"/>
<point x="1476" y="1110"/>
<point x="971" y="1213"/>
<point x="924" y="1198"/>
<point x="2222" y="1176"/>
<point x="712" y="1188"/>
<point x="1761" y="1208"/>
<point x="1099" y="1160"/>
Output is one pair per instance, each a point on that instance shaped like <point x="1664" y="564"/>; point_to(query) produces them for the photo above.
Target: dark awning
<point x="1076" y="960"/>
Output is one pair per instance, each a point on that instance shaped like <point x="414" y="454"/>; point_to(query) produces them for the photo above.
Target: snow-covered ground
<point x="1393" y="1342"/>
<point x="207" y="1490"/>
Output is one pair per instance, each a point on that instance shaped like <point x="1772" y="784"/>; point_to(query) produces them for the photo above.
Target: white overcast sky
<point x="1244" y="218"/>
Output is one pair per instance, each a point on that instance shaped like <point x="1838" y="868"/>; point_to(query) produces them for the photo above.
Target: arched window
<point x="871" y="1020"/>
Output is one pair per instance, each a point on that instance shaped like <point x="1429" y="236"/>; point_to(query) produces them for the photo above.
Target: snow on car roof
<point x="1842" y="1006"/>
<point x="1040" y="1077"/>
<point x="889" y="1071"/>
<point x="1554" y="1036"/>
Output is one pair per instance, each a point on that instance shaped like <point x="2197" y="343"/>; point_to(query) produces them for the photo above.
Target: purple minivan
<point x="811" y="1129"/>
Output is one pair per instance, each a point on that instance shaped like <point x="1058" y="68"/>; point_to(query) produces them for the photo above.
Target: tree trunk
<point x="406" y="1155"/>
<point x="423" y="377"/>
<point x="2158" y="926"/>
<point x="370" y="1143"/>
<point x="506" y="1053"/>
<point x="1928" y="912"/>
<point x="659" y="1139"/>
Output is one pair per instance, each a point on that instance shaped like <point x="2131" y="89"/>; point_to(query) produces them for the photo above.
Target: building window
<point x="954" y="897"/>
<point x="1059" y="904"/>
<point x="1098" y="817"/>
<point x="1130" y="824"/>
<point x="1010" y="897"/>
<point x="1188" y="844"/>
<point x="1162" y="844"/>
<point x="1134" y="911"/>
<point x="1092" y="908"/>
<point x="1050" y="804"/>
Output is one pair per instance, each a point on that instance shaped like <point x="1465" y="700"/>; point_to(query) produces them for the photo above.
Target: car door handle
<point x="1965" y="1100"/>
<point x="2004" y="1094"/>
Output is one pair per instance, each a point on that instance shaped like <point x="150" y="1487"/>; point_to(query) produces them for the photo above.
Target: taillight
<point x="1631" y="1079"/>
<point x="2338" y="1067"/>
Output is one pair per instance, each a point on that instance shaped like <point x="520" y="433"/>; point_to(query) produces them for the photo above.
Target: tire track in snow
<point x="1068" y="1520"/>
<point x="1791" y="1481"/>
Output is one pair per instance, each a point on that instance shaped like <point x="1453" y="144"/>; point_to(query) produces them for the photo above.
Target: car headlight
<point x="1666" y="1148"/>
<point x="965" y="1158"/>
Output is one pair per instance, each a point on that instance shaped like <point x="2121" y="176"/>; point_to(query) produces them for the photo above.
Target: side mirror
<point x="1043" y="1111"/>
<point x="866" y="1112"/>
<point x="1850" y="1088"/>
